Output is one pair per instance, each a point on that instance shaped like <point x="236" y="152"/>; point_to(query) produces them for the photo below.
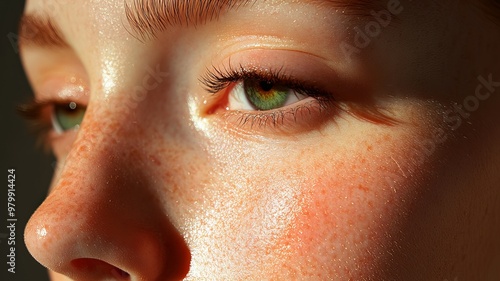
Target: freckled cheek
<point x="325" y="204"/>
<point x="349" y="208"/>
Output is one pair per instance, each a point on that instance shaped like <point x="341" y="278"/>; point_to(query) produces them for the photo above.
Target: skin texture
<point x="386" y="185"/>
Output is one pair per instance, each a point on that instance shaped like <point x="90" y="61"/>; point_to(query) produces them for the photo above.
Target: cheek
<point x="298" y="211"/>
<point x="346" y="221"/>
<point x="319" y="205"/>
<point x="353" y="205"/>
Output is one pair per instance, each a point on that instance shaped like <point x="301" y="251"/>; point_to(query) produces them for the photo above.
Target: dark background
<point x="33" y="167"/>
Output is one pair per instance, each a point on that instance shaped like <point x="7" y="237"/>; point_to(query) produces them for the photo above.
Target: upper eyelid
<point x="214" y="79"/>
<point x="59" y="87"/>
<point x="217" y="79"/>
<point x="34" y="109"/>
<point x="283" y="63"/>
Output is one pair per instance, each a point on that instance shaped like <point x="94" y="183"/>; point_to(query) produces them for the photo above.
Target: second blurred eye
<point x="67" y="116"/>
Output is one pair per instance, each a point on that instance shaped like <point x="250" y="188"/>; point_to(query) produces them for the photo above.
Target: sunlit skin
<point x="164" y="180"/>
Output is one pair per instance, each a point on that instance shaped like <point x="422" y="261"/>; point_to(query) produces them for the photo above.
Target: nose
<point x="103" y="219"/>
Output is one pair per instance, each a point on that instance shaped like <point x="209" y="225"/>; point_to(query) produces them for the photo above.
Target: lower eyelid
<point x="306" y="115"/>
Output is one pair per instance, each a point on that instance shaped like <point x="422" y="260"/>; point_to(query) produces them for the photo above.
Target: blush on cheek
<point x="328" y="205"/>
<point x="352" y="210"/>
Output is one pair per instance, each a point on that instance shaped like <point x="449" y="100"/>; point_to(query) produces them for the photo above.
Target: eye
<point x="67" y="116"/>
<point x="262" y="90"/>
<point x="269" y="100"/>
<point x="261" y="95"/>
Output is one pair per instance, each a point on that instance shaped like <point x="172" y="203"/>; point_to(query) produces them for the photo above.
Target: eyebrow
<point x="37" y="30"/>
<point x="147" y="18"/>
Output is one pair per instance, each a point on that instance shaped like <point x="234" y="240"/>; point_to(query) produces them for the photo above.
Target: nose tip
<point x="109" y="226"/>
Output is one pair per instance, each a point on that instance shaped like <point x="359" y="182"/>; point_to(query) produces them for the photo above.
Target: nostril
<point x="99" y="269"/>
<point x="120" y="274"/>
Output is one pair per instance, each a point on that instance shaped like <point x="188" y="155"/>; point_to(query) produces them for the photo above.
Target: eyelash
<point x="39" y="117"/>
<point x="36" y="113"/>
<point x="217" y="81"/>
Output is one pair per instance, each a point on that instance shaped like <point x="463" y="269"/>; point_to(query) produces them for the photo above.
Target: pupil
<point x="69" y="109"/>
<point x="266" y="85"/>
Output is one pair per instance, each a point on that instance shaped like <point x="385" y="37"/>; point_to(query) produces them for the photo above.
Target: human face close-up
<point x="267" y="140"/>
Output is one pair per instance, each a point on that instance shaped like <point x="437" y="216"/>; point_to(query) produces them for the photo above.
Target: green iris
<point x="265" y="95"/>
<point x="68" y="116"/>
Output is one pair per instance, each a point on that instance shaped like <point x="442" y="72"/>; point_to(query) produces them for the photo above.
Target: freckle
<point x="369" y="148"/>
<point x="155" y="160"/>
<point x="82" y="148"/>
<point x="370" y="204"/>
<point x="362" y="188"/>
<point x="66" y="181"/>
